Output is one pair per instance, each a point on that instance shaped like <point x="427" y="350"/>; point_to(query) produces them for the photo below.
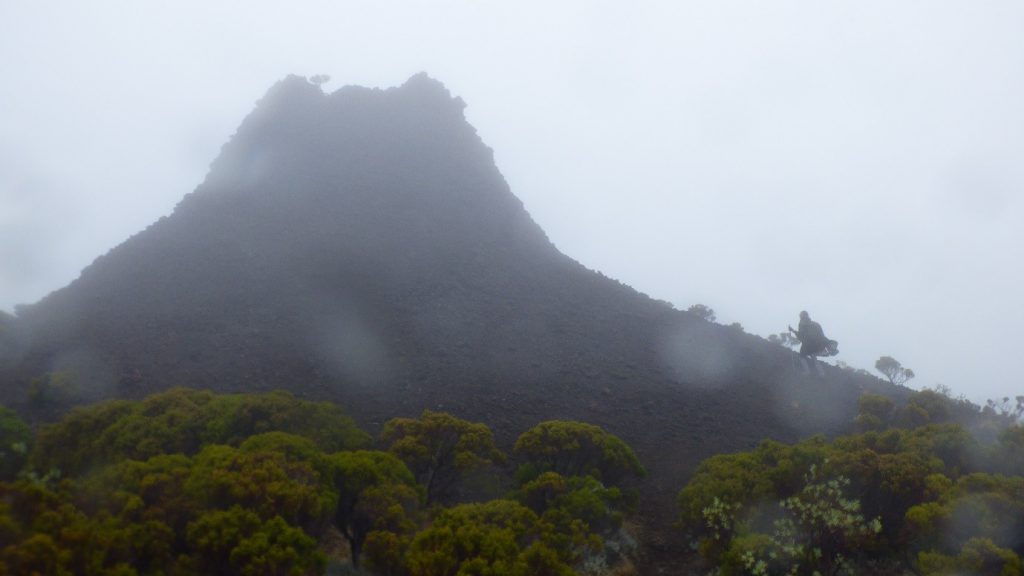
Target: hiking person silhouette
<point x="813" y="341"/>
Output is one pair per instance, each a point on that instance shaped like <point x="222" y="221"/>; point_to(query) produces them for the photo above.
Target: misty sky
<point x="860" y="160"/>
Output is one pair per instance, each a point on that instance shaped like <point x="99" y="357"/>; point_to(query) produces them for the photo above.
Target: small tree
<point x="874" y="411"/>
<point x="496" y="537"/>
<point x="15" y="439"/>
<point x="893" y="370"/>
<point x="820" y="529"/>
<point x="440" y="450"/>
<point x="785" y="339"/>
<point x="376" y="493"/>
<point x="238" y="541"/>
<point x="703" y="312"/>
<point x="1005" y="409"/>
<point x="979" y="556"/>
<point x="54" y="388"/>
<point x="576" y="449"/>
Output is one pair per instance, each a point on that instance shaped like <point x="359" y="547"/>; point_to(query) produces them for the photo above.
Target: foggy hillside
<point x="362" y="247"/>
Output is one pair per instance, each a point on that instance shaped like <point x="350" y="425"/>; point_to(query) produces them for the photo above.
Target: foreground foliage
<point x="191" y="482"/>
<point x="916" y="491"/>
<point x="440" y="449"/>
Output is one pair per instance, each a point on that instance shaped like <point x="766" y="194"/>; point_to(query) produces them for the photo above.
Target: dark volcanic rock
<point x="362" y="247"/>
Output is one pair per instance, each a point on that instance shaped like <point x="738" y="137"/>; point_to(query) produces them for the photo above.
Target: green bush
<point x="576" y="449"/>
<point x="15" y="442"/>
<point x="441" y="450"/>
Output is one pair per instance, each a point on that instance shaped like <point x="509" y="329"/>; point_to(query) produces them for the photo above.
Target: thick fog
<point x="861" y="161"/>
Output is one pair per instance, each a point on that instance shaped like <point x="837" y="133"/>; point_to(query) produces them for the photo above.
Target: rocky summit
<point x="362" y="247"/>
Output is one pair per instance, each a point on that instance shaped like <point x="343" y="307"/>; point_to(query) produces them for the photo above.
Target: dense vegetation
<point x="191" y="482"/>
<point x="931" y="487"/>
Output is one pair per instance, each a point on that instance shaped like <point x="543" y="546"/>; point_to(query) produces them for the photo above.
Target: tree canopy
<point x="576" y="449"/>
<point x="893" y="370"/>
<point x="191" y="482"/>
<point x="441" y="449"/>
<point x="915" y="490"/>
